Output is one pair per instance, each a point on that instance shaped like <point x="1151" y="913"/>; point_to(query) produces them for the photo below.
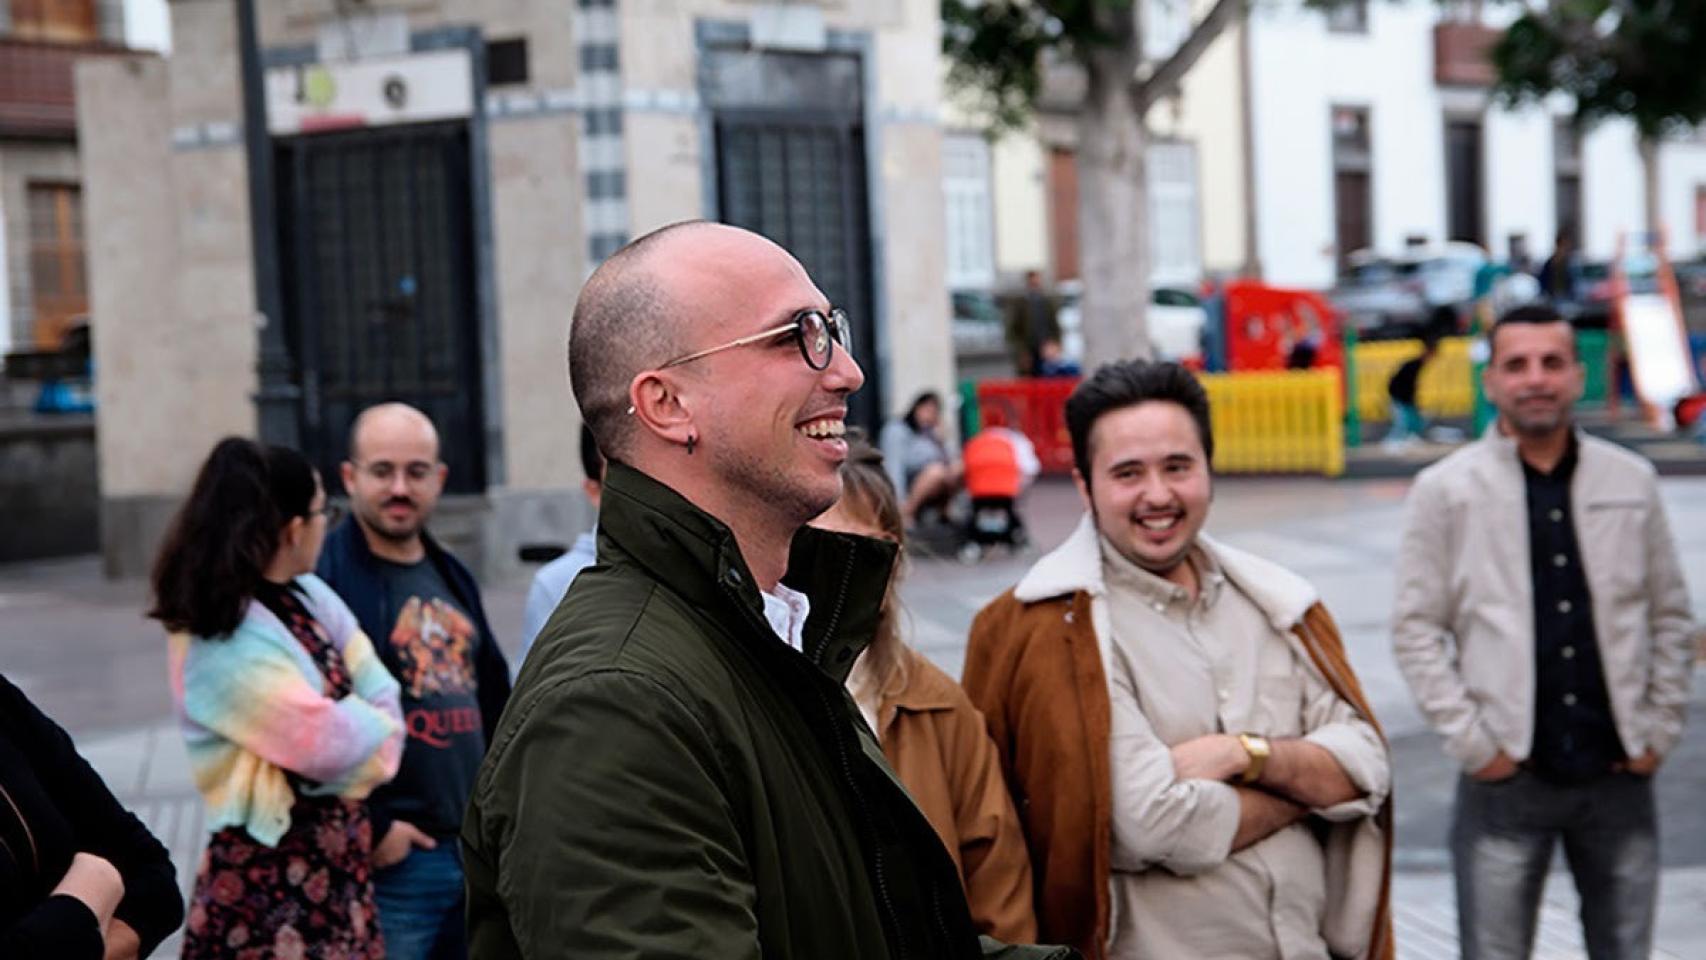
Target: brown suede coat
<point x="1036" y="673"/>
<point x="936" y="741"/>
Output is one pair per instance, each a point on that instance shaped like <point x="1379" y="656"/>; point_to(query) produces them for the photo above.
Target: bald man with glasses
<point x="681" y="772"/>
<point x="421" y="607"/>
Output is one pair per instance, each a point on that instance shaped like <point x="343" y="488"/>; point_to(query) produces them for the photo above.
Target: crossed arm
<point x="1299" y="776"/>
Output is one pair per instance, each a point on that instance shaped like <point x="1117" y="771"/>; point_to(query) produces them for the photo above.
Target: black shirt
<point x="52" y="806"/>
<point x="1575" y="735"/>
<point x="431" y="650"/>
<point x="1402" y="386"/>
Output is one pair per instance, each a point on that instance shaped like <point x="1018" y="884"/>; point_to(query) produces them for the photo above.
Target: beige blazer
<point x="1463" y="618"/>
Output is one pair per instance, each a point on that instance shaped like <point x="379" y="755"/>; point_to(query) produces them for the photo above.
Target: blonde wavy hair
<point x="868" y="497"/>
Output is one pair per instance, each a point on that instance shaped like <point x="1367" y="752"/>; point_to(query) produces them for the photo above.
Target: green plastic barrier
<point x="1353" y="419"/>
<point x="1591" y="346"/>
<point x="971" y="415"/>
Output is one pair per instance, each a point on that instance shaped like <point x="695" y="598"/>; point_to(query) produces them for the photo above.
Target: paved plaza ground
<point x="79" y="645"/>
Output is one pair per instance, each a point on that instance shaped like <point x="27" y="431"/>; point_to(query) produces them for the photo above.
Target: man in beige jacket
<point x="1543" y="624"/>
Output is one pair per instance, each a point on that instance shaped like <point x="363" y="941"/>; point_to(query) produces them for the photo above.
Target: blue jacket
<point x="349" y="567"/>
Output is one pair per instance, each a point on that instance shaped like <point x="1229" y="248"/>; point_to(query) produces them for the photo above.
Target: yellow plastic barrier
<point x="1447" y="387"/>
<point x="1277" y="422"/>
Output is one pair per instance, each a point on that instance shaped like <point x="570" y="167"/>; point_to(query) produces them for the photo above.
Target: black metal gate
<point x="377" y="255"/>
<point x="799" y="179"/>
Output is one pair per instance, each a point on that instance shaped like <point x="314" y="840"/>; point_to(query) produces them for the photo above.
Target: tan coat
<point x="1034" y="667"/>
<point x="937" y="742"/>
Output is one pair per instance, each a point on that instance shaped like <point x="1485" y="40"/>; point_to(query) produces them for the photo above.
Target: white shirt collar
<point x="787" y="610"/>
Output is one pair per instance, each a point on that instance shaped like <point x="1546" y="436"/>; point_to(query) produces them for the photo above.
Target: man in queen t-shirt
<point x="421" y="607"/>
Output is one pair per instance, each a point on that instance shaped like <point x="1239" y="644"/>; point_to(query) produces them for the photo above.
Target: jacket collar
<point x="926" y="689"/>
<point x="651" y="526"/>
<point x="349" y="533"/>
<point x="1495" y="438"/>
<point x="1076" y="566"/>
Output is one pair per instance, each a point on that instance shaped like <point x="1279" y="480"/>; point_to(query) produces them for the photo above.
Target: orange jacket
<point x="936" y="741"/>
<point x="1048" y="714"/>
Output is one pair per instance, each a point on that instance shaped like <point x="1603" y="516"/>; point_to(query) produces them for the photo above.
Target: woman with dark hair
<point x="922" y="466"/>
<point x="289" y="717"/>
<point x="932" y="735"/>
<point x="80" y="877"/>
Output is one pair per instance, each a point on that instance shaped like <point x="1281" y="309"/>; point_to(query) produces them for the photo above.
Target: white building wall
<point x="1520" y="180"/>
<point x="1682" y="172"/>
<point x="1021" y="205"/>
<point x="1611" y="187"/>
<point x="147" y="25"/>
<point x="1209" y="115"/>
<point x="1299" y="72"/>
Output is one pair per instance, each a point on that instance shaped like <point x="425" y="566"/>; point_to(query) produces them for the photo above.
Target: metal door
<point x="377" y="256"/>
<point x="799" y="179"/>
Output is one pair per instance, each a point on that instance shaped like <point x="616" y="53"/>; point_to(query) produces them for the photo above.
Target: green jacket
<point x="671" y="780"/>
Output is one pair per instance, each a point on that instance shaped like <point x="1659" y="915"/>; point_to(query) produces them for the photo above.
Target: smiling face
<point x="1534" y="377"/>
<point x="1149" y="486"/>
<point x="769" y="425"/>
<point x="394" y="476"/>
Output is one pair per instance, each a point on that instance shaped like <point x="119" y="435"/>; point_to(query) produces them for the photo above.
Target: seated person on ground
<point x="928" y="474"/>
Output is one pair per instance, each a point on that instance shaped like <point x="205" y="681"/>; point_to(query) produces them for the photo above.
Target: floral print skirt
<point x="309" y="898"/>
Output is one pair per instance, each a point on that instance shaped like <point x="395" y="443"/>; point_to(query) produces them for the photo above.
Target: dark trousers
<point x="1501" y="847"/>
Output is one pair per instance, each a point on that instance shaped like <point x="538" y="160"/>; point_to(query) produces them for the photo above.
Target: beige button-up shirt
<point x="1179" y="668"/>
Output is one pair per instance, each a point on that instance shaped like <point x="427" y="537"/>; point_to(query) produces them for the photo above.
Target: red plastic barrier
<point x="1036" y="408"/>
<point x="1263" y="323"/>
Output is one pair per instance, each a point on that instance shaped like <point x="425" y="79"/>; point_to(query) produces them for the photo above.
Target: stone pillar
<point x="171" y="281"/>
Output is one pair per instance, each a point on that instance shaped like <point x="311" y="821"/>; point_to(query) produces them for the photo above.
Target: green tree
<point x="999" y="50"/>
<point x="1640" y="59"/>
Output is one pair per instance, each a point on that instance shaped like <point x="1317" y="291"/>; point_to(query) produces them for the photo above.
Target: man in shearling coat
<point x="1197" y="770"/>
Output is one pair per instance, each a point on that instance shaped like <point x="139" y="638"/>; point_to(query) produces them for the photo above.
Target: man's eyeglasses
<point x="817" y="334"/>
<point x="384" y="471"/>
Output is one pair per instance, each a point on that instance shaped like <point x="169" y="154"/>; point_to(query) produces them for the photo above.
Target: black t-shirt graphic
<point x="431" y="651"/>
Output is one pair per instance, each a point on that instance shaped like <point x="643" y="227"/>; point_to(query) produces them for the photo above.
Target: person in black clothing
<point x="1032" y="320"/>
<point x="1557" y="274"/>
<point x="80" y="876"/>
<point x="1407" y="419"/>
<point x="422" y="609"/>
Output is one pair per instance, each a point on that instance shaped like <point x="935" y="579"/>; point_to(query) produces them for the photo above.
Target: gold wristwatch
<point x="1259" y="750"/>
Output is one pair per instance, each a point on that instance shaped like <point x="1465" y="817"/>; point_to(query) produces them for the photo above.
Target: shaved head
<point x="394" y="478"/>
<point x="646" y="306"/>
<point x="391" y="419"/>
<point x="624" y="322"/>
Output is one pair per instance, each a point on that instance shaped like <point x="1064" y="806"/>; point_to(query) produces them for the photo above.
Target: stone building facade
<point x="445" y="174"/>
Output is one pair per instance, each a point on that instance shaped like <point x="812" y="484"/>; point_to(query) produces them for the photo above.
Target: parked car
<point x="1175" y="317"/>
<point x="1394" y="297"/>
<point x="1589" y="306"/>
<point x="977" y="323"/>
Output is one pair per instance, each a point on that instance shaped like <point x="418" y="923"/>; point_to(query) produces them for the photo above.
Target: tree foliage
<point x="997" y="49"/>
<point x="1640" y="59"/>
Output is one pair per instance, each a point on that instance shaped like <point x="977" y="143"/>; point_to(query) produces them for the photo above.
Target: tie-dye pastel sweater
<point x="252" y="706"/>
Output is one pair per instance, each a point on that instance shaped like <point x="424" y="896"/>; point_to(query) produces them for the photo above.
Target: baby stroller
<point x="999" y="464"/>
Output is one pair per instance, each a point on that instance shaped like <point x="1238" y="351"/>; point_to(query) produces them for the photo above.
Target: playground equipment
<point x="1647" y="308"/>
<point x="1274" y="328"/>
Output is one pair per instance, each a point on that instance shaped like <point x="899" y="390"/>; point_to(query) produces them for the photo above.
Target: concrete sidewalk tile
<point x="120" y="759"/>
